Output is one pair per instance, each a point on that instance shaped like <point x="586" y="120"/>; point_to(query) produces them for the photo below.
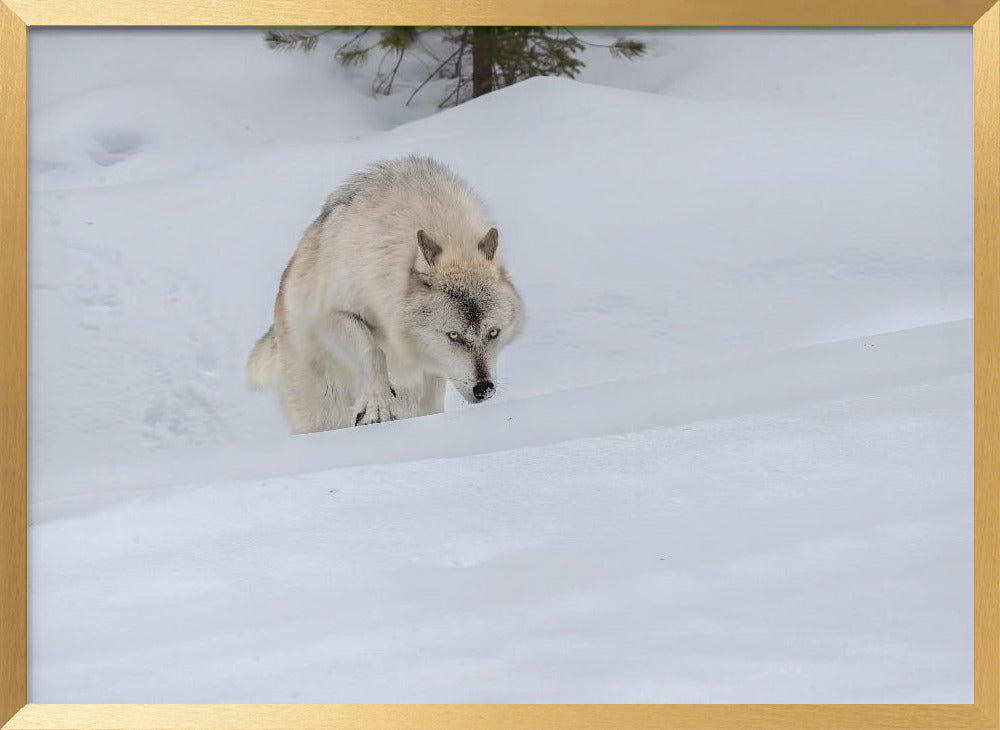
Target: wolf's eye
<point x="454" y="336"/>
<point x="493" y="333"/>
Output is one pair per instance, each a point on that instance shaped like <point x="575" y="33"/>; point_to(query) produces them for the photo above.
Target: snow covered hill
<point x="729" y="461"/>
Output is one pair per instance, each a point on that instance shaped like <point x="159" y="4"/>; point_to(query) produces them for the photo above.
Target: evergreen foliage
<point x="478" y="59"/>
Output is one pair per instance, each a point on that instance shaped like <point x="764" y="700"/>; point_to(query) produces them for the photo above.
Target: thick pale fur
<point x="369" y="321"/>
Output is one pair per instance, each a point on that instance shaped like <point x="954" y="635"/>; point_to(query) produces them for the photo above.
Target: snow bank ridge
<point x="761" y="384"/>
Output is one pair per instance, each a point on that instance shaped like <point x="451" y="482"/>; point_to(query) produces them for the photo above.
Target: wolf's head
<point x="461" y="310"/>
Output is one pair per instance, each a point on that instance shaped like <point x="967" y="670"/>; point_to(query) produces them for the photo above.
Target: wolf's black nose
<point x="482" y="390"/>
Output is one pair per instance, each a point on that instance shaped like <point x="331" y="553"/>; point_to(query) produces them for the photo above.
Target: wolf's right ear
<point x="428" y="247"/>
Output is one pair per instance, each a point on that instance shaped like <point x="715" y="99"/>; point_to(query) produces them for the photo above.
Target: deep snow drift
<point x="729" y="461"/>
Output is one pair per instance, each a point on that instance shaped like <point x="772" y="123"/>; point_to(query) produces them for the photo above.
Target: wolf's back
<point x="262" y="364"/>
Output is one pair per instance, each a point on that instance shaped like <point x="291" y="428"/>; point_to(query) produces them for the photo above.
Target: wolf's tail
<point x="263" y="361"/>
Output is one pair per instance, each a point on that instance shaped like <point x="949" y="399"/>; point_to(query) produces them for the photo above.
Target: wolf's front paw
<point x="376" y="410"/>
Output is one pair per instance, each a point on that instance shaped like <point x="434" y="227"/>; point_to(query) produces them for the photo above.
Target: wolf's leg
<point x="305" y="392"/>
<point x="417" y="394"/>
<point x="350" y="341"/>
<point x="433" y="395"/>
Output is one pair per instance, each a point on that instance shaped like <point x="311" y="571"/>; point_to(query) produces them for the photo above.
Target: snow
<point x="729" y="461"/>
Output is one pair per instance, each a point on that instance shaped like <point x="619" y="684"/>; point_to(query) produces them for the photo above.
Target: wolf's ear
<point x="488" y="246"/>
<point x="428" y="248"/>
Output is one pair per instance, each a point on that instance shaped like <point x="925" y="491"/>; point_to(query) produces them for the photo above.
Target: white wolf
<point x="395" y="288"/>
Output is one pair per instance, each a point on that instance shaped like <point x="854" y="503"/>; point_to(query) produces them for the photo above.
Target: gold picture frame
<point x="15" y="18"/>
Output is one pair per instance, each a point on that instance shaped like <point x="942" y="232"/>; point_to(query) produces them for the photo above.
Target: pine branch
<point x="432" y="74"/>
<point x="624" y="48"/>
<point x="361" y="33"/>
<point x="392" y="76"/>
<point x="292" y="40"/>
<point x="627" y="49"/>
<point x="398" y="38"/>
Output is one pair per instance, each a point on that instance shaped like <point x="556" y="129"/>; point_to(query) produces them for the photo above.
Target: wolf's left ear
<point x="488" y="246"/>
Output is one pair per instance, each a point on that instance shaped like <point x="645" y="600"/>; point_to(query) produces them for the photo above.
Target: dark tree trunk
<point x="482" y="60"/>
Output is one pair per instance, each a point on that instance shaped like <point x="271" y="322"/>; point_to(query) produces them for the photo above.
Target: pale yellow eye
<point x="454" y="336"/>
<point x="494" y="333"/>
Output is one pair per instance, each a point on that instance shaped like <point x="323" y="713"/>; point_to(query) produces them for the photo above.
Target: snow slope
<point x="755" y="558"/>
<point x="730" y="460"/>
